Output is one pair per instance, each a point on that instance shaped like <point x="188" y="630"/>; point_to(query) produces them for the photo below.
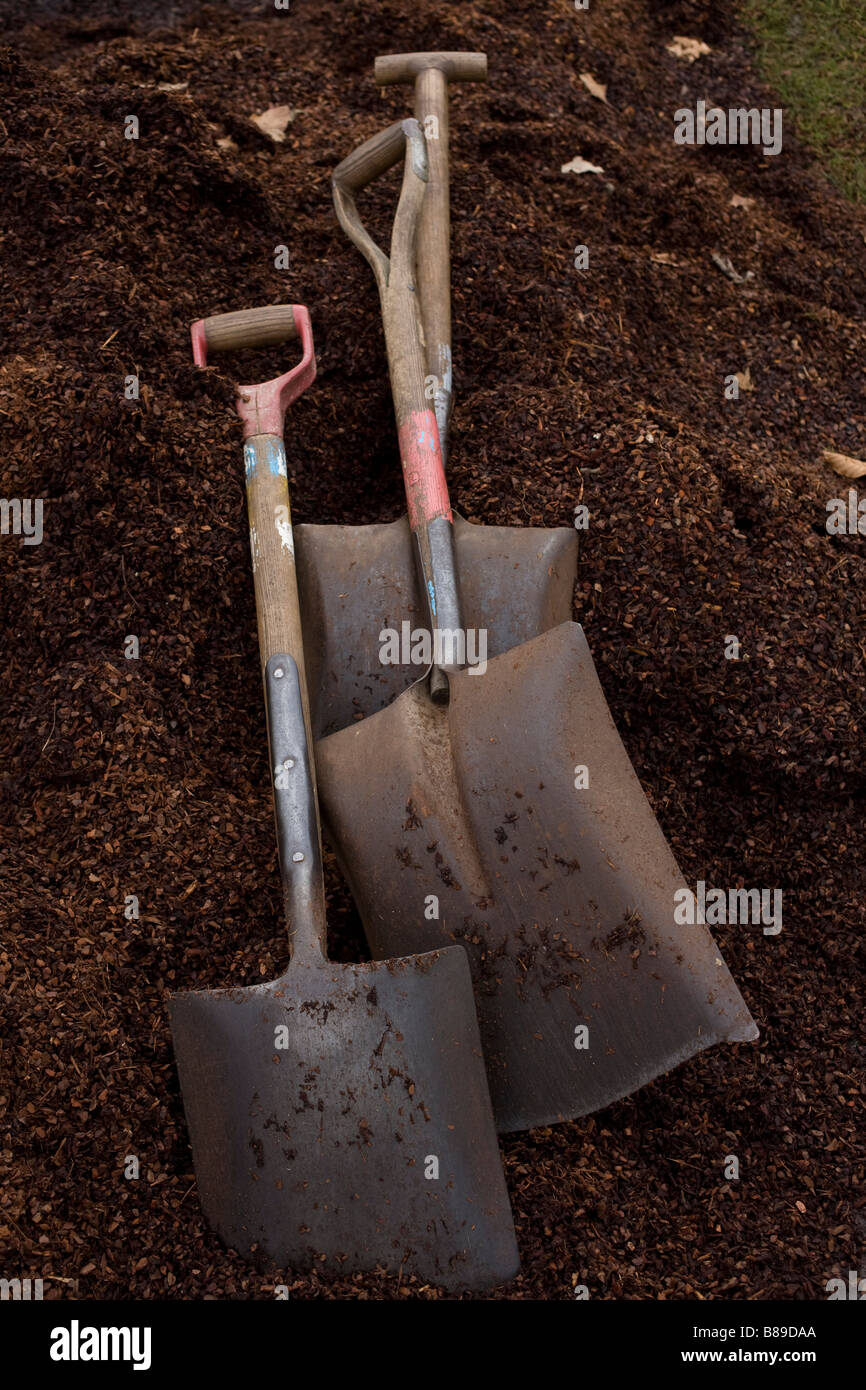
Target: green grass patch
<point x="814" y="53"/>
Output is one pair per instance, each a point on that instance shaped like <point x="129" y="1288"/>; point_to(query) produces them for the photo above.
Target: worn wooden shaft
<point x="431" y="73"/>
<point x="434" y="240"/>
<point x="272" y="549"/>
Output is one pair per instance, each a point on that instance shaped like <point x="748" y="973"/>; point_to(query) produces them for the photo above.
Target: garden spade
<point x="511" y="820"/>
<point x="359" y="581"/>
<point x="339" y="1116"/>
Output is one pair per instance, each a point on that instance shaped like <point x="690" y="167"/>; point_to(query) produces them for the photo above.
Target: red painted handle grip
<point x="261" y="407"/>
<point x="423" y="471"/>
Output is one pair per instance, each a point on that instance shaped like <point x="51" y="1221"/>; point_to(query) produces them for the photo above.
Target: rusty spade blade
<point x="562" y="891"/>
<point x="357" y="582"/>
<point x="561" y="887"/>
<point x="563" y="897"/>
<point x="339" y="1116"/>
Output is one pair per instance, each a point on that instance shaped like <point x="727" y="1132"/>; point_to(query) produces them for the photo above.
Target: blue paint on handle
<point x="432" y="593"/>
<point x="277" y="456"/>
<point x="265" y="450"/>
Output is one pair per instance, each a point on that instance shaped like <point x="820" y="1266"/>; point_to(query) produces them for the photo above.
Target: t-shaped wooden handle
<point x="405" y="67"/>
<point x="431" y="73"/>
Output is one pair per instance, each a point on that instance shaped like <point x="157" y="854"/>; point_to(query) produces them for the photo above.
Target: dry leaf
<point x="273" y="122"/>
<point x="739" y="202"/>
<point x="725" y="266"/>
<point x="663" y="258"/>
<point x="171" y="86"/>
<point x="226" y="143"/>
<point x="581" y="166"/>
<point x="744" y="380"/>
<point x="596" y="89"/>
<point x="690" y="49"/>
<point x="845" y="466"/>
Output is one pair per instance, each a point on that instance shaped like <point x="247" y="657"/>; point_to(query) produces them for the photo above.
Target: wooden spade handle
<point x="434" y="243"/>
<point x="427" y="499"/>
<point x="278" y="611"/>
<point x="431" y="73"/>
<point x="248" y="328"/>
<point x="262" y="409"/>
<point x="405" y="67"/>
<point x="352" y="174"/>
<point x="371" y="159"/>
<point x="426" y="492"/>
<point x="272" y="549"/>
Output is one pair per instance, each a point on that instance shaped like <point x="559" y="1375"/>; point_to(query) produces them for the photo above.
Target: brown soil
<point x="148" y="777"/>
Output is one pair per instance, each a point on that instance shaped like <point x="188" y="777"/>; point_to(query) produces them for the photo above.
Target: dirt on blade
<point x="148" y="778"/>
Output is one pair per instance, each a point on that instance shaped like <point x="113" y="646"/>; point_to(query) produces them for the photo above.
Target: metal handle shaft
<point x="295" y="808"/>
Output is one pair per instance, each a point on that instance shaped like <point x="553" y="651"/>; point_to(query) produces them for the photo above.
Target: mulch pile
<point x="606" y="386"/>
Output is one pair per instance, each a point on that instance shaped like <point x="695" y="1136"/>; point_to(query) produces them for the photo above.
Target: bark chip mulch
<point x="606" y="386"/>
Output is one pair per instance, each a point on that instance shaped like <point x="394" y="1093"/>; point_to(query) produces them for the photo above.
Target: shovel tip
<point x="745" y="1031"/>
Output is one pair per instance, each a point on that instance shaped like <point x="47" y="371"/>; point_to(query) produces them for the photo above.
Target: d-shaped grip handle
<point x="245" y="328"/>
<point x="261" y="407"/>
